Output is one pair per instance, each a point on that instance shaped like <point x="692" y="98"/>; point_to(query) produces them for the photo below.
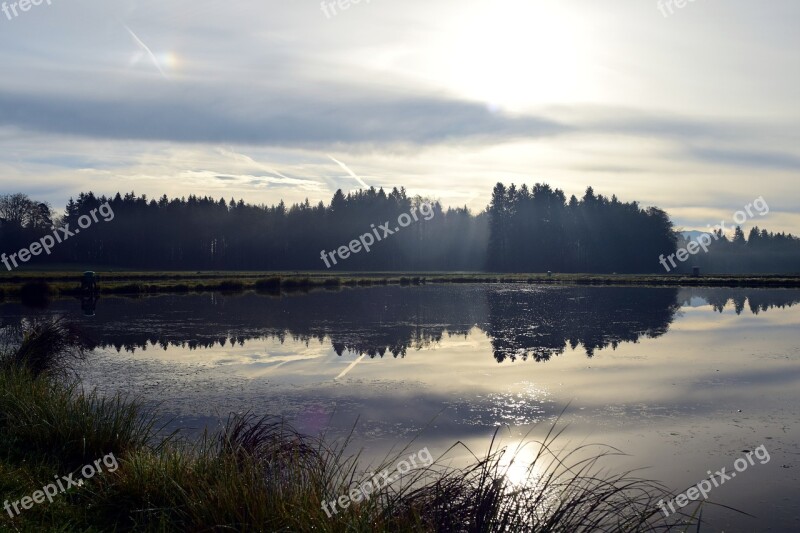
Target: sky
<point x="691" y="109"/>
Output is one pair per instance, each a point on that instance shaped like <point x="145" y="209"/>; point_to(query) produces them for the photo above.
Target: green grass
<point x="258" y="474"/>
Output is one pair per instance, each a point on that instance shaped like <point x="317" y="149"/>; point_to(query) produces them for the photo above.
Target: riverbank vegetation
<point x="38" y="287"/>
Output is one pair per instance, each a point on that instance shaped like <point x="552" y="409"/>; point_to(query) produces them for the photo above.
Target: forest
<point x="523" y="229"/>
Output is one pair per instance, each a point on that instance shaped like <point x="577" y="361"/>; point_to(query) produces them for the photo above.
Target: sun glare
<point x="516" y="465"/>
<point x="515" y="54"/>
<point x="168" y="60"/>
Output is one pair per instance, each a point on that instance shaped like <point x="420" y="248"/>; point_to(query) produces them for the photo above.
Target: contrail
<point x="352" y="365"/>
<point x="146" y="49"/>
<point x="249" y="159"/>
<point x="359" y="180"/>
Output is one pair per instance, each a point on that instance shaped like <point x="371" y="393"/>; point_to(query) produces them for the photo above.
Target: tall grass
<point x="259" y="474"/>
<point x="46" y="346"/>
<point x="560" y="491"/>
<point x="44" y="417"/>
<point x="44" y="412"/>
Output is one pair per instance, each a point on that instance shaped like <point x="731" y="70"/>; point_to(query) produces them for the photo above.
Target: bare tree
<point x="17" y="209"/>
<point x="41" y="217"/>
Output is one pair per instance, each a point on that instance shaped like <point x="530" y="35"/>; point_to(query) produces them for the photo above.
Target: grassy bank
<point x="257" y="474"/>
<point x="133" y="283"/>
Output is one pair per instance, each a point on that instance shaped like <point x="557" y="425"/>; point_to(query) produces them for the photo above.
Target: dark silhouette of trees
<point x="523" y="229"/>
<point x="203" y="233"/>
<point x="537" y="230"/>
<point x="761" y="251"/>
<point x="22" y="221"/>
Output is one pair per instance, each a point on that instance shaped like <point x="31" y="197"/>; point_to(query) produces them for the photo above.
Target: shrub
<point x="272" y="284"/>
<point x="332" y="283"/>
<point x="37" y="294"/>
<point x="229" y="286"/>
<point x="296" y="283"/>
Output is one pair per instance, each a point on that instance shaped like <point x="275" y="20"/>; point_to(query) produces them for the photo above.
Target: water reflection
<point x="697" y="375"/>
<point x="521" y="322"/>
<point x="541" y="323"/>
<point x="756" y="300"/>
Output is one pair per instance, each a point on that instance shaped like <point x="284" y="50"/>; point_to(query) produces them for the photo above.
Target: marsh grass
<point x="559" y="491"/>
<point x="259" y="474"/>
<point x="43" y="417"/>
<point x="44" y="346"/>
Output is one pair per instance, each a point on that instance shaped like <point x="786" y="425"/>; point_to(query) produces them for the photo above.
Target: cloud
<point x="380" y="88"/>
<point x="255" y="179"/>
<point x="172" y="114"/>
<point x="754" y="159"/>
<point x="201" y="117"/>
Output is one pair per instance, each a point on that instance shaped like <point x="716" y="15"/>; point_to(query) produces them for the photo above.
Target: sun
<point x="516" y="54"/>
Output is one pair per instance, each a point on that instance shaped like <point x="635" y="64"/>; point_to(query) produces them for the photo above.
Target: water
<point x="683" y="380"/>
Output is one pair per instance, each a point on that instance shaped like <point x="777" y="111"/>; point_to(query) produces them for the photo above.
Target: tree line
<point x="537" y="229"/>
<point x="760" y="251"/>
<point x="523" y="229"/>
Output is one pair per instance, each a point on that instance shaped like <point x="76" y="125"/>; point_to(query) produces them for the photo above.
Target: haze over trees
<point x="760" y="251"/>
<point x="538" y="230"/>
<point x="523" y="229"/>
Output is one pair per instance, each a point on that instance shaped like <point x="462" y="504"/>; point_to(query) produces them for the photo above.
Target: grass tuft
<point x="46" y="346"/>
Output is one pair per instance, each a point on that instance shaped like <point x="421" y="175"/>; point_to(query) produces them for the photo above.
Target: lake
<point x="682" y="380"/>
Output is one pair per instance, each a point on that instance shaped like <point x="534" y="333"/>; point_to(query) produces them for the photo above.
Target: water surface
<point x="683" y="380"/>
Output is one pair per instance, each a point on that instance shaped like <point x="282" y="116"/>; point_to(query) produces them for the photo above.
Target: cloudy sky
<point x="696" y="111"/>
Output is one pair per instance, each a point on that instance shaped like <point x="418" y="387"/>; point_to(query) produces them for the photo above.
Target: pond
<point x="684" y="381"/>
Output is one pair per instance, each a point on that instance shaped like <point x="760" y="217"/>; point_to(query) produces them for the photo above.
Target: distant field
<point x="132" y="282"/>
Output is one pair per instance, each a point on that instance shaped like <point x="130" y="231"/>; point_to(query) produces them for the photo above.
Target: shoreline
<point x="63" y="283"/>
